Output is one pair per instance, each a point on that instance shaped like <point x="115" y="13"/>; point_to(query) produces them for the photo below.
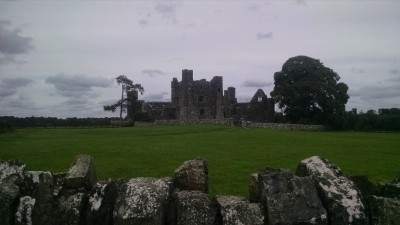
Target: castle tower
<point x="187" y="76"/>
<point x="217" y="98"/>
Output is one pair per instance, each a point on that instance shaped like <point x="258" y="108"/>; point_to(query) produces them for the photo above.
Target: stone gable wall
<point x="317" y="193"/>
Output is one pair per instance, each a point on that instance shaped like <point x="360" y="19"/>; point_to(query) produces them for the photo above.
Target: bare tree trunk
<point x="122" y="99"/>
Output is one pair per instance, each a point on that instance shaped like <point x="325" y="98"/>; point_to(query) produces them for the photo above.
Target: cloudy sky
<point x="59" y="58"/>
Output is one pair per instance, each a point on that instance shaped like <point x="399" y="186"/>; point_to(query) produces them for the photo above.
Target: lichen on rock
<point x="143" y="201"/>
<point x="339" y="194"/>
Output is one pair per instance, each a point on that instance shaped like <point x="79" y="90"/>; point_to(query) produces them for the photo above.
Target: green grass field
<point x="232" y="153"/>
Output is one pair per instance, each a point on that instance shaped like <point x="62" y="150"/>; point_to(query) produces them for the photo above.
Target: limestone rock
<point x="81" y="173"/>
<point x="366" y="187"/>
<point x="11" y="180"/>
<point x="23" y="216"/>
<point x="339" y="195"/>
<point x="143" y="201"/>
<point x="101" y="203"/>
<point x="384" y="211"/>
<point x="290" y="199"/>
<point x="192" y="175"/>
<point x="194" y="208"/>
<point x="390" y="190"/>
<point x="238" y="210"/>
<point x="41" y="184"/>
<point x="253" y="188"/>
<point x="59" y="181"/>
<point x="70" y="209"/>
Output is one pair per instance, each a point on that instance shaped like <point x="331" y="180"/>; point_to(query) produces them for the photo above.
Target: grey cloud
<point x="189" y="25"/>
<point x="165" y="8"/>
<point x="156" y="96"/>
<point x="379" y="92"/>
<point x="8" y="59"/>
<point x="17" y="106"/>
<point x="256" y="83"/>
<point x="22" y="102"/>
<point x="77" y="85"/>
<point x="268" y="35"/>
<point x="11" y="40"/>
<point x="17" y="82"/>
<point x="395" y="79"/>
<point x="357" y="70"/>
<point x="78" y="103"/>
<point x="394" y="71"/>
<point x="143" y="23"/>
<point x="9" y="86"/>
<point x="152" y="73"/>
<point x="301" y="2"/>
<point x="254" y="8"/>
<point x="167" y="11"/>
<point x="5" y="92"/>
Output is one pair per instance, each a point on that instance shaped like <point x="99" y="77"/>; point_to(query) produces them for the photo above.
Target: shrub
<point x="5" y="127"/>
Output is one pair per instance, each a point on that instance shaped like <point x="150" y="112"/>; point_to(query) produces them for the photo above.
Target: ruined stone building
<point x="201" y="99"/>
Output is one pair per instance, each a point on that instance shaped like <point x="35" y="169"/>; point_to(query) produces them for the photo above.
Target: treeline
<point x="10" y="122"/>
<point x="381" y="120"/>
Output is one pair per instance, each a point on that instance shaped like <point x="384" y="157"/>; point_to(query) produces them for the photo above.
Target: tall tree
<point x="309" y="92"/>
<point x="129" y="96"/>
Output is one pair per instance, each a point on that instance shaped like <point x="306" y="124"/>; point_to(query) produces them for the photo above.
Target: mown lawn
<point x="232" y="153"/>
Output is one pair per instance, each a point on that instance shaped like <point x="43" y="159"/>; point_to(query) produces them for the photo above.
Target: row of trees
<point x="381" y="120"/>
<point x="8" y="122"/>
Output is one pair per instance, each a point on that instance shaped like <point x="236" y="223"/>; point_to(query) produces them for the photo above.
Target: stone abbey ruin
<point x="201" y="99"/>
<point x="318" y="193"/>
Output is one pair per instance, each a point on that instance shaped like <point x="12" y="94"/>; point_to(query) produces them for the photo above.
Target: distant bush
<point x="143" y="117"/>
<point x="5" y="127"/>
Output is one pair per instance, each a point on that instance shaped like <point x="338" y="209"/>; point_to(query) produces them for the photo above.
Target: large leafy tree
<point x="129" y="97"/>
<point x="309" y="92"/>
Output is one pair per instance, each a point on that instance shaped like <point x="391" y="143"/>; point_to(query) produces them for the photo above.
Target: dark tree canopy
<point x="309" y="92"/>
<point x="129" y="97"/>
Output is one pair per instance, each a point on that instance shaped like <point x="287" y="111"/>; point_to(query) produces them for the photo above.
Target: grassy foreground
<point x="232" y="153"/>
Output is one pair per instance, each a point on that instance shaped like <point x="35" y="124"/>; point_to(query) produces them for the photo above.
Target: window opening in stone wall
<point x="201" y="111"/>
<point x="259" y="99"/>
<point x="219" y="90"/>
<point x="201" y="98"/>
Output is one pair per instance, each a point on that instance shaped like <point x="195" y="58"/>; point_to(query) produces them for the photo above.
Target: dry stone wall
<point x="318" y="193"/>
<point x="241" y="123"/>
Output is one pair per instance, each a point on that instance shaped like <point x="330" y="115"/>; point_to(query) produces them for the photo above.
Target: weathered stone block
<point x="23" y="216"/>
<point x="384" y="211"/>
<point x="339" y="195"/>
<point x="238" y="210"/>
<point x="11" y="180"/>
<point x="194" y="208"/>
<point x="70" y="209"/>
<point x="254" y="188"/>
<point x="192" y="175"/>
<point x="101" y="203"/>
<point x="290" y="199"/>
<point x="41" y="184"/>
<point x="390" y="190"/>
<point x="82" y="173"/>
<point x="143" y="201"/>
<point x="366" y="187"/>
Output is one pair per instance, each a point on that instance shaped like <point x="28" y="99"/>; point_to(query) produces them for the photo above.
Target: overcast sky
<point x="59" y="58"/>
